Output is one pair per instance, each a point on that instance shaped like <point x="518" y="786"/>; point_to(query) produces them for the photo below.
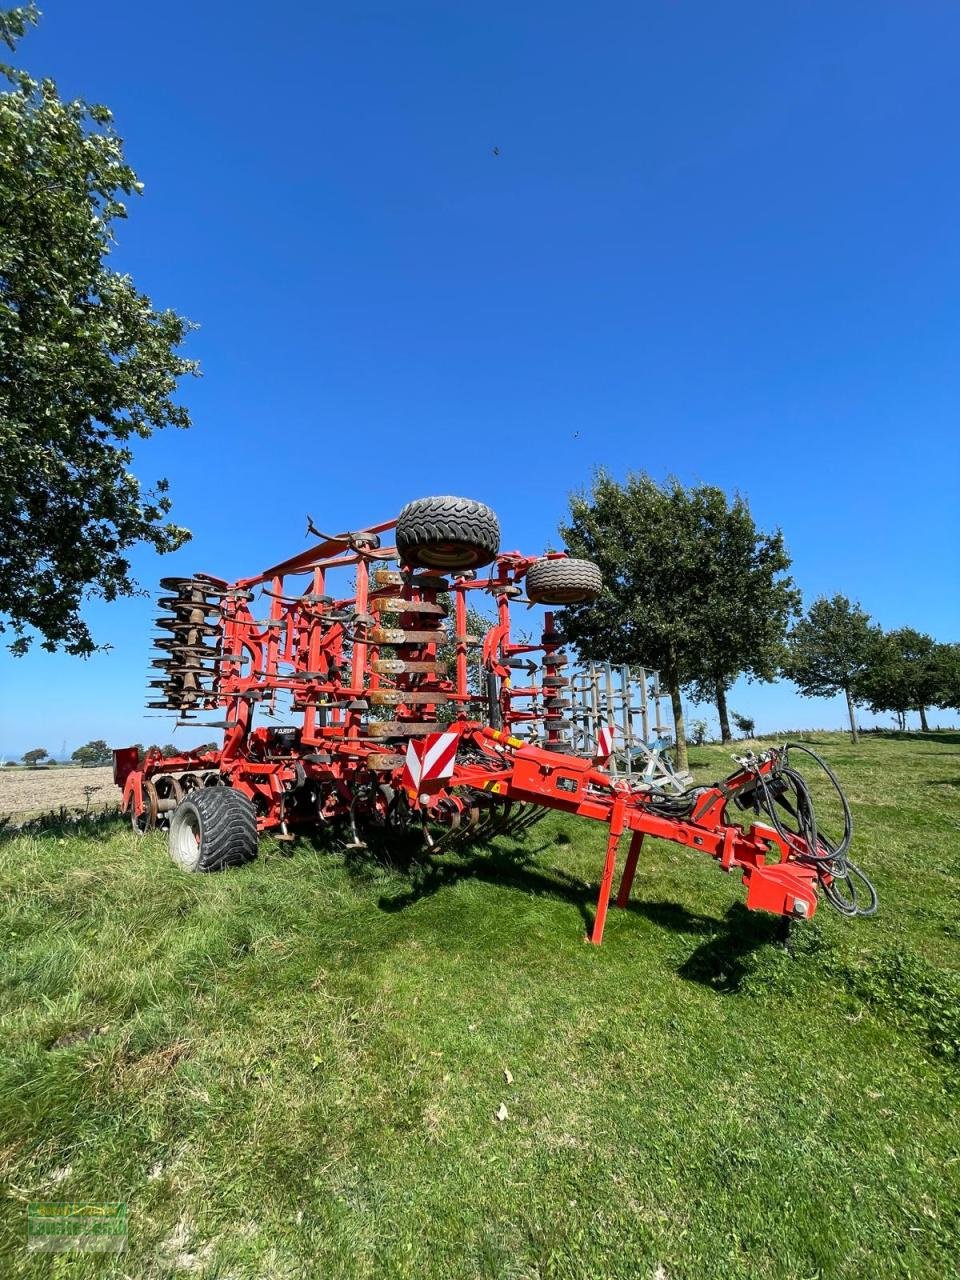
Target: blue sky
<point x="719" y="241"/>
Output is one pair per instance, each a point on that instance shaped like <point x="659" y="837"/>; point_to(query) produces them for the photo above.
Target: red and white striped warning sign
<point x="604" y="742"/>
<point x="429" y="759"/>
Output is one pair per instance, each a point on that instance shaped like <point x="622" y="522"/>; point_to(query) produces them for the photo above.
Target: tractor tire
<point x="447" y="533"/>
<point x="563" y="581"/>
<point x="213" y="828"/>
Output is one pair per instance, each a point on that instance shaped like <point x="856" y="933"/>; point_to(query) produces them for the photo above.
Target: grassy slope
<point x="295" y="1068"/>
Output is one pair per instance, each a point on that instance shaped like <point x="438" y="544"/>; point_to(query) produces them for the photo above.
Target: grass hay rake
<point x="398" y="729"/>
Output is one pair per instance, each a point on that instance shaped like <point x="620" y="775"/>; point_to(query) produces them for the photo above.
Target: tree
<point x="901" y="675"/>
<point x="947" y="666"/>
<point x="829" y="650"/>
<point x="86" y="364"/>
<point x="745" y="724"/>
<point x="751" y="600"/>
<point x="673" y="561"/>
<point x="35" y="756"/>
<point x="95" y="752"/>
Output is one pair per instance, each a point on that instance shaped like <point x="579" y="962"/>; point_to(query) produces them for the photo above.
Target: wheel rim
<point x="447" y="555"/>
<point x="185" y="839"/>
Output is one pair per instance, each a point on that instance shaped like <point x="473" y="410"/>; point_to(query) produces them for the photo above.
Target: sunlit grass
<point x="295" y="1069"/>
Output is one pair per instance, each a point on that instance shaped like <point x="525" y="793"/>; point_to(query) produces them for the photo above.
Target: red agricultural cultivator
<point x="408" y="721"/>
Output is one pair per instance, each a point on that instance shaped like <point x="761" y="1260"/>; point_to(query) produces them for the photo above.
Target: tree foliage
<point x="901" y="674"/>
<point x="35" y="756"/>
<point x="830" y="649"/>
<point x="947" y="665"/>
<point x="745" y="724"/>
<point x="87" y="365"/>
<point x="95" y="752"/>
<point x="687" y="581"/>
<point x="751" y="600"/>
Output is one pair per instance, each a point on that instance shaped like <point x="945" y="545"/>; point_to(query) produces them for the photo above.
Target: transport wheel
<point x="213" y="828"/>
<point x="563" y="581"/>
<point x="447" y="533"/>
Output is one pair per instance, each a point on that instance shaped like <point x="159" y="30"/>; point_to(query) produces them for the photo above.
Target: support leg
<point x="616" y="830"/>
<point x="626" y="882"/>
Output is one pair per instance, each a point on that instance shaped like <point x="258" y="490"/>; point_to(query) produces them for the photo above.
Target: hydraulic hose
<point x="844" y="885"/>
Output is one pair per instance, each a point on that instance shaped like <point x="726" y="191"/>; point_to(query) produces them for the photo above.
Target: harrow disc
<point x="184" y="624"/>
<point x="169" y="792"/>
<point x="147" y="820"/>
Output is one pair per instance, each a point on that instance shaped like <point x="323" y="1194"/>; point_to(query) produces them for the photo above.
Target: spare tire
<point x="447" y="533"/>
<point x="563" y="581"/>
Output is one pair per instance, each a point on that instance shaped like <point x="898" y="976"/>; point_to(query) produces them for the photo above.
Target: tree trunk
<point x="678" y="729"/>
<point x="721" y="700"/>
<point x="853" y="717"/>
<point x="923" y="719"/>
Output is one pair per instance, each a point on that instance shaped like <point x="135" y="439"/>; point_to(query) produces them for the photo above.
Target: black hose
<point x="807" y="843"/>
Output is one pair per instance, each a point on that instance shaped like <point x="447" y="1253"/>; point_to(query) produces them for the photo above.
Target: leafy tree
<point x="750" y="600"/>
<point x="86" y="364"/>
<point x="698" y="732"/>
<point x="902" y="674"/>
<point x="35" y="756"/>
<point x="745" y="724"/>
<point x="829" y="650"/>
<point x="95" y="752"/>
<point x="673" y="563"/>
<point x="947" y="666"/>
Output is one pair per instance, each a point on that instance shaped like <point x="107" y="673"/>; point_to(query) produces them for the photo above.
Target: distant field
<point x="25" y="791"/>
<point x="295" y="1070"/>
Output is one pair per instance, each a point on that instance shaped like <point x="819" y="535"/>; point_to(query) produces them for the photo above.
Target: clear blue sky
<point x="719" y="241"/>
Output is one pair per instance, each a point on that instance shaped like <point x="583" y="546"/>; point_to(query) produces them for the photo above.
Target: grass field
<point x="296" y="1069"/>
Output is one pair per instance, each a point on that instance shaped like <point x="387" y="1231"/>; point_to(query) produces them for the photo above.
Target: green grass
<point x="295" y="1069"/>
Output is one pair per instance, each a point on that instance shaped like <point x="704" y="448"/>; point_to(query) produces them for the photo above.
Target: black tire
<point x="213" y="828"/>
<point x="447" y="533"/>
<point x="563" y="581"/>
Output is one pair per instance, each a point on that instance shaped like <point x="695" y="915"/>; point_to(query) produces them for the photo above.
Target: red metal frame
<point x="341" y="762"/>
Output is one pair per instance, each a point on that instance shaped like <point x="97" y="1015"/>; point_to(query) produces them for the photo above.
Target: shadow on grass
<point x="510" y="867"/>
<point x="720" y="962"/>
<point x="950" y="736"/>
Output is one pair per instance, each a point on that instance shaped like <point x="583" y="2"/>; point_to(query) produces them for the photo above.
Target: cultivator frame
<point x="397" y="727"/>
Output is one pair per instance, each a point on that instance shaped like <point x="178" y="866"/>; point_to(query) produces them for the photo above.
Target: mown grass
<point x="295" y="1069"/>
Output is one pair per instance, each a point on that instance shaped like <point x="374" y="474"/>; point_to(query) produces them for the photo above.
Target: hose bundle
<point x="844" y="885"/>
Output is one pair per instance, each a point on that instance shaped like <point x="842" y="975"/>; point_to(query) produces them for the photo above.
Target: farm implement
<point x="410" y="716"/>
